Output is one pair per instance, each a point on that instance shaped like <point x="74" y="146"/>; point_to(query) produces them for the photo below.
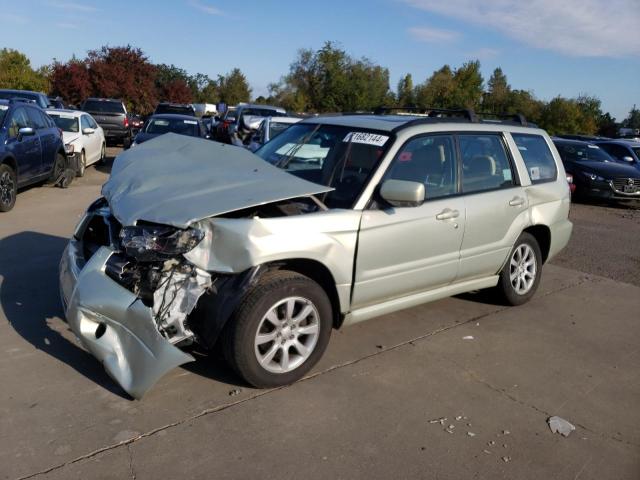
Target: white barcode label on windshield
<point x="366" y="138"/>
<point x="190" y="122"/>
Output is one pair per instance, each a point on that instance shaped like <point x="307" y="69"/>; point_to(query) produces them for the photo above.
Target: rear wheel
<point x="8" y="188"/>
<point x="280" y="330"/>
<point x="520" y="277"/>
<point x="82" y="166"/>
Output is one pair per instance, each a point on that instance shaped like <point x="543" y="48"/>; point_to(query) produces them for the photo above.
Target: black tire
<point x="59" y="166"/>
<point x="126" y="142"/>
<point x="506" y="289"/>
<point x="239" y="337"/>
<point x="8" y="188"/>
<point x="82" y="165"/>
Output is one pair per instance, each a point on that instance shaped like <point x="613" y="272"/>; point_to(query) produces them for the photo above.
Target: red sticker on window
<point x="405" y="157"/>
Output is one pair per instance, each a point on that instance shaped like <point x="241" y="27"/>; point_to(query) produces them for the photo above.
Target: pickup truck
<point x="112" y="116"/>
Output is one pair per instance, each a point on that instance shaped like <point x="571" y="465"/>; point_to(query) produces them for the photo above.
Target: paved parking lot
<point x="368" y="409"/>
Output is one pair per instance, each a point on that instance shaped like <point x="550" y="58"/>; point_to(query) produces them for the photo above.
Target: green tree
<point x="468" y="85"/>
<point x="562" y="115"/>
<point x="525" y="103"/>
<point x="406" y="92"/>
<point x="438" y="90"/>
<point x="234" y="88"/>
<point x="496" y="99"/>
<point x="16" y="72"/>
<point x="633" y="120"/>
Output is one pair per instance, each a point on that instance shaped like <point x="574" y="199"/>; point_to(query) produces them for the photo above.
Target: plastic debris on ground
<point x="468" y="337"/>
<point x="560" y="425"/>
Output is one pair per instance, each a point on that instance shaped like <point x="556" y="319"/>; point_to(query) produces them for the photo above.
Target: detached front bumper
<point x="113" y="324"/>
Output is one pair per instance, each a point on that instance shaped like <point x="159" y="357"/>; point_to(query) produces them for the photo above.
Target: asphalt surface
<point x="370" y="409"/>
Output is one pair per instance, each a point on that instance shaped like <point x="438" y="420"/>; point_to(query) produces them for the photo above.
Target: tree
<point x="525" y="103"/>
<point x="16" y="72"/>
<point x="172" y="84"/>
<point x="468" y="84"/>
<point x="562" y="115"/>
<point x="438" y="90"/>
<point x="496" y="99"/>
<point x="71" y="81"/>
<point x="123" y="72"/>
<point x="633" y="120"/>
<point x="234" y="88"/>
<point x="406" y="94"/>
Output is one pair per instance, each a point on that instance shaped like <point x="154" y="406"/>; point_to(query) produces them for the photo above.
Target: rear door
<point x="26" y="149"/>
<point x="405" y="250"/>
<point x="495" y="202"/>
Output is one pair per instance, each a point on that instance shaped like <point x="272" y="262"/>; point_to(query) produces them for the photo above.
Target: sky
<point x="551" y="47"/>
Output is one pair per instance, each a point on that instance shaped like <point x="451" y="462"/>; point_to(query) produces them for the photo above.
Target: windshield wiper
<point x="283" y="162"/>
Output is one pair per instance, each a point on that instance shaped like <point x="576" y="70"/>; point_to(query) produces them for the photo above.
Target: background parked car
<point x="625" y="151"/>
<point x="111" y="115"/>
<point x="247" y="120"/>
<point x="38" y="98"/>
<point x="177" y="108"/>
<point x="160" y="124"/>
<point x="56" y="102"/>
<point x="137" y="123"/>
<point x="83" y="137"/>
<point x="222" y="126"/>
<point x="269" y="128"/>
<point x="31" y="149"/>
<point x="597" y="175"/>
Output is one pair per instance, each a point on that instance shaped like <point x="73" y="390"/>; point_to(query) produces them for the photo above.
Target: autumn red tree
<point x="123" y="72"/>
<point x="71" y="81"/>
<point x="176" y="91"/>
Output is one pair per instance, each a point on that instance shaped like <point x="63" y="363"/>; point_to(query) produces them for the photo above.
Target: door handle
<point x="516" y="201"/>
<point x="447" y="213"/>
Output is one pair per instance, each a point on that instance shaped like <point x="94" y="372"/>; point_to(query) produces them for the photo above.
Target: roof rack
<point x="467" y="113"/>
<point x="514" y="117"/>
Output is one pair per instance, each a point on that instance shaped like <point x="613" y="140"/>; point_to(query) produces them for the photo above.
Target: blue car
<point x="31" y="149"/>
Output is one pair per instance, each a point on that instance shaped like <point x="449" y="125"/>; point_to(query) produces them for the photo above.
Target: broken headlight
<point x="158" y="242"/>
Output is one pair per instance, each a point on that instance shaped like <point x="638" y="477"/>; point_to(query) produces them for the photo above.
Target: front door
<point x="25" y="148"/>
<point x="405" y="250"/>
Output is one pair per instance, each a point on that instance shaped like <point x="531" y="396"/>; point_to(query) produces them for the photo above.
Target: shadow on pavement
<point x="29" y="298"/>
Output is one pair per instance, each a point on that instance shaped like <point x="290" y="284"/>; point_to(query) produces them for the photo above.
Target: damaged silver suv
<point x="337" y="220"/>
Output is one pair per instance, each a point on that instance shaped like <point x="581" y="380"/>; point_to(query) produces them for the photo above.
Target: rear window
<point x="177" y="109"/>
<point x="165" y="125"/>
<point x="537" y="157"/>
<point x="103" y="106"/>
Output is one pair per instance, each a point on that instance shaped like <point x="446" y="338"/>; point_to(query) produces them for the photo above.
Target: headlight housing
<point x="158" y="242"/>
<point x="69" y="148"/>
<point x="593" y="177"/>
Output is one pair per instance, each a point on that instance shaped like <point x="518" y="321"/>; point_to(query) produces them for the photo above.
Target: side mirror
<point x="402" y="193"/>
<point x="88" y="131"/>
<point x="25" y="132"/>
<point x="628" y="159"/>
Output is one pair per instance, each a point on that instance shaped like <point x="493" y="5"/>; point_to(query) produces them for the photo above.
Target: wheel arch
<point x="542" y="234"/>
<point x="11" y="161"/>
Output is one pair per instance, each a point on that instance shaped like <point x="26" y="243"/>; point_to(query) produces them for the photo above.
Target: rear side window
<point x="37" y="119"/>
<point x="485" y="164"/>
<point x="537" y="157"/>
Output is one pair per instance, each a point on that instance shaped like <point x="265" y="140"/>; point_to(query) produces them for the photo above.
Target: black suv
<point x="111" y="115"/>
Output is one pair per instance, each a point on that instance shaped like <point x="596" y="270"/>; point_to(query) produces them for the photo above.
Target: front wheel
<point x="280" y="331"/>
<point x="8" y="188"/>
<point x="82" y="167"/>
<point x="520" y="277"/>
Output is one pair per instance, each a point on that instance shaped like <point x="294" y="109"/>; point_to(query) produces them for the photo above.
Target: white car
<point x="269" y="128"/>
<point x="83" y="137"/>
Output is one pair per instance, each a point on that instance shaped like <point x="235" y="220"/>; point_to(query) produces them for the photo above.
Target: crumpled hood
<point x="68" y="137"/>
<point x="177" y="180"/>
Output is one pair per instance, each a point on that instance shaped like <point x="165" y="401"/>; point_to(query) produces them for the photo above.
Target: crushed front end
<point x="127" y="294"/>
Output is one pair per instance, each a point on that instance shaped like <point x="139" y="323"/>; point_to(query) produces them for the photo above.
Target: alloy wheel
<point x="287" y="335"/>
<point x="522" y="269"/>
<point x="7" y="188"/>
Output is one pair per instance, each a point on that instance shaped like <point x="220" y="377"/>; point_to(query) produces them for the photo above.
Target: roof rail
<point x="468" y="113"/>
<point x="514" y="117"/>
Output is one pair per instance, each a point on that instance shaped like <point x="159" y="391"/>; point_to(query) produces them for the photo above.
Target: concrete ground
<point x="370" y="409"/>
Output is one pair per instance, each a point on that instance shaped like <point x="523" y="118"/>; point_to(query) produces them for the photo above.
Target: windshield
<point x="66" y="123"/>
<point x="340" y="157"/>
<point x="102" y="106"/>
<point x="3" y="112"/>
<point x="276" y="128"/>
<point x="158" y="126"/>
<point x="578" y="152"/>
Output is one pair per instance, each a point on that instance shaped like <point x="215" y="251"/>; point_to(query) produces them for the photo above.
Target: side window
<point x="485" y="164"/>
<point x="537" y="157"/>
<point x="617" y="151"/>
<point x="37" y="119"/>
<point x="429" y="160"/>
<point x="84" y="122"/>
<point x="92" y="122"/>
<point x="19" y="120"/>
